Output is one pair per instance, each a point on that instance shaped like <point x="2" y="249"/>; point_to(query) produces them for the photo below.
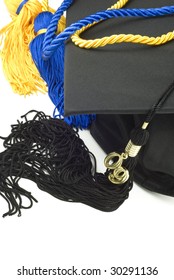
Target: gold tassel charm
<point x="119" y="174"/>
<point x="114" y="162"/>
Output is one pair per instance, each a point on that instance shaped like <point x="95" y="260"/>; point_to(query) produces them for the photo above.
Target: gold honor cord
<point x="120" y="38"/>
<point x="118" y="5"/>
<point x="76" y="36"/>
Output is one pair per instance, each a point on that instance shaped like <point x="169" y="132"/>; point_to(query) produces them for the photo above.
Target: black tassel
<point x="121" y="166"/>
<point x="50" y="153"/>
<point x="10" y="174"/>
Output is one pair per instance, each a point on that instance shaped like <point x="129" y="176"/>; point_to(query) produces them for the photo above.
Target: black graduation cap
<point x="124" y="79"/>
<point x="121" y="78"/>
<point x="121" y="82"/>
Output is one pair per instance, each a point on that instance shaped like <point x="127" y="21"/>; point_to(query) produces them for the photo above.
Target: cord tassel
<point x="120" y="167"/>
<point x="17" y="63"/>
<point x="50" y="153"/>
<point x="9" y="187"/>
<point x="52" y="71"/>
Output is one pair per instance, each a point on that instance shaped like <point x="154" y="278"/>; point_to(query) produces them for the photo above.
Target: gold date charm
<point x="114" y="162"/>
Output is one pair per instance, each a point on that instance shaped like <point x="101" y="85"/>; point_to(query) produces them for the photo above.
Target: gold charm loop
<point x="110" y="162"/>
<point x="120" y="174"/>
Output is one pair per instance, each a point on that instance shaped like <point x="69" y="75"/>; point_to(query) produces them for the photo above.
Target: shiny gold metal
<point x="114" y="162"/>
<point x="132" y="150"/>
<point x="110" y="162"/>
<point x="145" y="125"/>
<point x="119" y="175"/>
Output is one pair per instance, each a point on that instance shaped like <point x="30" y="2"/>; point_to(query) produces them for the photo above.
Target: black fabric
<point x="154" y="170"/>
<point x="121" y="78"/>
<point x="120" y="83"/>
<point x="112" y="131"/>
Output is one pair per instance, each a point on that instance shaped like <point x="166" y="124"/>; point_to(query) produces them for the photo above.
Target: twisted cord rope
<point x="104" y="15"/>
<point x="126" y="38"/>
<point x="160" y="102"/>
<point x="120" y="4"/>
<point x="51" y="30"/>
<point x="61" y="23"/>
<point x="53" y="24"/>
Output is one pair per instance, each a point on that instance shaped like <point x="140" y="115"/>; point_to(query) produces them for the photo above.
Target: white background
<point x="55" y="233"/>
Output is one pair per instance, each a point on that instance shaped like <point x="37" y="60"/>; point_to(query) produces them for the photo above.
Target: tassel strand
<point x="50" y="153"/>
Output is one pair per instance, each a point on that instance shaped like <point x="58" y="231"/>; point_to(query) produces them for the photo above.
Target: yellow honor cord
<point x="120" y="38"/>
<point x="76" y="36"/>
<point x="118" y="5"/>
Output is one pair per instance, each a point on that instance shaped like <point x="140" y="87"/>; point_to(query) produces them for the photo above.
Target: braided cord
<point x="61" y="24"/>
<point x="104" y="15"/>
<point x="126" y="38"/>
<point x="53" y="24"/>
<point x="120" y="4"/>
<point x="52" y="28"/>
<point x="120" y="38"/>
<point x="76" y="38"/>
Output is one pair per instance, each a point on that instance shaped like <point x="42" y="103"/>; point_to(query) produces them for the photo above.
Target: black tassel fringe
<point x="50" y="153"/>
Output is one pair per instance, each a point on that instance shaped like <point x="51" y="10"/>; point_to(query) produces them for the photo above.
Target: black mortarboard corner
<point x="121" y="83"/>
